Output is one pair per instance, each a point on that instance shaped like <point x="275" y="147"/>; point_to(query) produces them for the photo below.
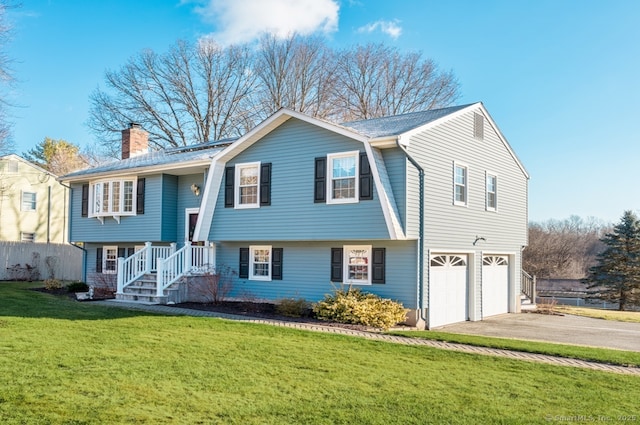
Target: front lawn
<point x="68" y="362"/>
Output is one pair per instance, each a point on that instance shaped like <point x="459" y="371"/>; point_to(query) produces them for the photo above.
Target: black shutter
<point x="378" y="265"/>
<point x="99" y="260"/>
<point x="122" y="252"/>
<point x="265" y="184"/>
<point x="85" y="200"/>
<point x="130" y="251"/>
<point x="336" y="264"/>
<point x="228" y="186"/>
<point x="243" y="269"/>
<point x="276" y="263"/>
<point x="140" y="197"/>
<point x="320" y="188"/>
<point x="366" y="178"/>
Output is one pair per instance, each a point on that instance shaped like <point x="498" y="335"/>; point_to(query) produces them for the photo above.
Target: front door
<point x="192" y="219"/>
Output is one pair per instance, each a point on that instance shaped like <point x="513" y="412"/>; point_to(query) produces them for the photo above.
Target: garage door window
<point x="492" y="260"/>
<point x="448" y="260"/>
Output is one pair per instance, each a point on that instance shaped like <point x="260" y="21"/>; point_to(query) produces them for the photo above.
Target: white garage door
<point x="495" y="285"/>
<point x="448" y="289"/>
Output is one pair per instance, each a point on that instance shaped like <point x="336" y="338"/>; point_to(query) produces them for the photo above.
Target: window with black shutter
<point x="99" y="260"/>
<point x="378" y="265"/>
<point x="229" y="194"/>
<point x="366" y="178"/>
<point x="276" y="263"/>
<point x="243" y="269"/>
<point x="320" y="185"/>
<point x="265" y="184"/>
<point x="140" y="197"/>
<point x="85" y="200"/>
<point x="336" y="264"/>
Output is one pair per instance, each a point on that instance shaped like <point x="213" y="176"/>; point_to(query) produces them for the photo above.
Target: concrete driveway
<point x="567" y="329"/>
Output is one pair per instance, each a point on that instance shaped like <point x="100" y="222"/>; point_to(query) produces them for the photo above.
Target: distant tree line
<point x="563" y="249"/>
<point x="198" y="92"/>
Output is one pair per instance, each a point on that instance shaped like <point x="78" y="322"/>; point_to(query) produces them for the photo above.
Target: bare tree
<point x="6" y="78"/>
<point x="375" y="80"/>
<point x="295" y="73"/>
<point x="192" y="94"/>
<point x="202" y="92"/>
<point x="563" y="248"/>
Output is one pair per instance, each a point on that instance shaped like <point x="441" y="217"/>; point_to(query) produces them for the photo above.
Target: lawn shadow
<point x="22" y="299"/>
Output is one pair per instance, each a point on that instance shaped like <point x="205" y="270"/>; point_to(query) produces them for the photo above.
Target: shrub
<point x="52" y="284"/>
<point x="77" y="287"/>
<point x="214" y="286"/>
<point x="292" y="307"/>
<point x="357" y="307"/>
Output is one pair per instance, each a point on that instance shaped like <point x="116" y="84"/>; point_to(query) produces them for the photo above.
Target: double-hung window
<point x="343" y="177"/>
<point x="492" y="192"/>
<point x="247" y="185"/>
<point x="260" y="262"/>
<point x="110" y="259"/>
<point x="357" y="264"/>
<point x="28" y="201"/>
<point x="460" y="184"/>
<point x="113" y="198"/>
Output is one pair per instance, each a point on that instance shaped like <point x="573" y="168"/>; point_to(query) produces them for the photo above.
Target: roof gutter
<point x="420" y="229"/>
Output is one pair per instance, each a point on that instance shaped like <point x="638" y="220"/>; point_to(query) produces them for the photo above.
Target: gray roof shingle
<point x="398" y="124"/>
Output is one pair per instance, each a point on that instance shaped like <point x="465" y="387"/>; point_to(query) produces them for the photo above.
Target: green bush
<point x="77" y="287"/>
<point x="361" y="308"/>
<point x="52" y="284"/>
<point x="292" y="307"/>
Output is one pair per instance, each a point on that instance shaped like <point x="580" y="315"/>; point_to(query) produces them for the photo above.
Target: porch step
<point x="143" y="291"/>
<point x="526" y="304"/>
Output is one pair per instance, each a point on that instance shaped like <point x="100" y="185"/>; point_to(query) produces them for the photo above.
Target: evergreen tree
<point x="616" y="277"/>
<point x="57" y="156"/>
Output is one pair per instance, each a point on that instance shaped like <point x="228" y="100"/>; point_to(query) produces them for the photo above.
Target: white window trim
<point x="35" y="201"/>
<point x="252" y="249"/>
<point x="105" y="249"/>
<point x="345" y="264"/>
<point x="466" y="185"/>
<point x="117" y="214"/>
<point x="330" y="158"/>
<point x="486" y="185"/>
<point x="236" y="190"/>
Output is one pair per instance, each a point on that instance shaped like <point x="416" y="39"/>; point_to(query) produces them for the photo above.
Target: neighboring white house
<point x="33" y="204"/>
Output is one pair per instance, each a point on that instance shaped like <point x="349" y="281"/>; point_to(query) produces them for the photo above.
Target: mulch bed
<point x="265" y="311"/>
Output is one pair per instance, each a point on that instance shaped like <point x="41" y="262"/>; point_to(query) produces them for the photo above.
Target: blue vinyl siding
<point x="144" y="227"/>
<point x="396" y="164"/>
<point x="307" y="268"/>
<point x="293" y="215"/>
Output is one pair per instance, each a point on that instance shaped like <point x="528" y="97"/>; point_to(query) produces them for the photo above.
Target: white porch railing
<point x="187" y="260"/>
<point x="169" y="263"/>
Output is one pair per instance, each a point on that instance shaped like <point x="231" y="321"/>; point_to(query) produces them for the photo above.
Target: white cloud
<point x="391" y="28"/>
<point x="240" y="21"/>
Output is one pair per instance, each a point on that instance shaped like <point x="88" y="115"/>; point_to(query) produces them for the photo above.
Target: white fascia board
<point x="273" y="122"/>
<point x="390" y="217"/>
<point x="209" y="200"/>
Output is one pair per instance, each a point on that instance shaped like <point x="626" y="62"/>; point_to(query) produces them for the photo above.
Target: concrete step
<point x="143" y="299"/>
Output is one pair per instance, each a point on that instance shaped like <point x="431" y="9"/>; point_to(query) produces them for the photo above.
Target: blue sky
<point x="559" y="77"/>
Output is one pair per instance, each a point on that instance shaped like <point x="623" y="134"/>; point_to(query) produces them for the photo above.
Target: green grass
<point x="602" y="355"/>
<point x="597" y="313"/>
<point x="63" y="362"/>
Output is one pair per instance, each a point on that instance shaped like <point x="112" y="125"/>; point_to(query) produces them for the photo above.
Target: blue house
<point x="427" y="208"/>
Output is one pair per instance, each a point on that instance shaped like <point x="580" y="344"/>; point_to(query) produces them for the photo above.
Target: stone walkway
<point x="517" y="355"/>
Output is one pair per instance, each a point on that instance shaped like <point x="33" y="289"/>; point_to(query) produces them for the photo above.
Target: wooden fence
<point x="39" y="261"/>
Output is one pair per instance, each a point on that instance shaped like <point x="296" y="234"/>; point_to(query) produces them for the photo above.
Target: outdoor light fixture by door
<point x="195" y="189"/>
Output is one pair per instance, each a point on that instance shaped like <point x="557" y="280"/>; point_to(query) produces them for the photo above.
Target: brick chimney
<point x="135" y="141"/>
